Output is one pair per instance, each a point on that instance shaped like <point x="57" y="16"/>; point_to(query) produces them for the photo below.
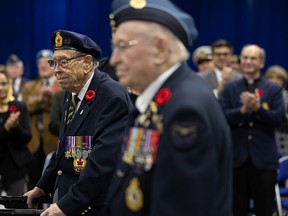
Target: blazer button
<point x="59" y="172"/>
<point x="251" y="124"/>
<point x="250" y="137"/>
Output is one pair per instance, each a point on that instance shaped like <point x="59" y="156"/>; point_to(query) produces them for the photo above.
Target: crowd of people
<point x="139" y="132"/>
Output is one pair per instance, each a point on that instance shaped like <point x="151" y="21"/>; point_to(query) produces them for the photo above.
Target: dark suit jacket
<point x="211" y="78"/>
<point x="104" y="117"/>
<point x="15" y="143"/>
<point x="192" y="172"/>
<point x="253" y="133"/>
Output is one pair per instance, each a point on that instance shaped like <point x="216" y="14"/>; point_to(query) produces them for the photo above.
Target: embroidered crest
<point x="138" y="4"/>
<point x="184" y="134"/>
<point x="58" y="40"/>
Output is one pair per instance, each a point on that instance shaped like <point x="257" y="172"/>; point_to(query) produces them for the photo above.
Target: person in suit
<point x="176" y="155"/>
<point x="15" y="133"/>
<point x="15" y="71"/>
<point x="56" y="112"/>
<point x="222" y="52"/>
<point x="38" y="96"/>
<point x="93" y="120"/>
<point x="254" y="108"/>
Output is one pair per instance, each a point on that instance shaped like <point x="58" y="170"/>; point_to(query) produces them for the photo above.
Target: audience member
<point x="254" y="109"/>
<point x="278" y="75"/>
<point x="38" y="96"/>
<point x="176" y="155"/>
<point x="15" y="71"/>
<point x="15" y="133"/>
<point x="56" y="112"/>
<point x="202" y="58"/>
<point x="222" y="52"/>
<point x="92" y="127"/>
<point x="235" y="63"/>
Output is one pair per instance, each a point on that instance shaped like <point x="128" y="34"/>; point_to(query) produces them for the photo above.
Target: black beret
<point x="63" y="39"/>
<point x="163" y="12"/>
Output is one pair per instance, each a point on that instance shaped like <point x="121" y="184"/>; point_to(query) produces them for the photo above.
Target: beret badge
<point x="137" y="4"/>
<point x="58" y="40"/>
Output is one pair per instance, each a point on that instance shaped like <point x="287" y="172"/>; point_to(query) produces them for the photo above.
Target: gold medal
<point x="134" y="195"/>
<point x="67" y="154"/>
<point x="138" y="4"/>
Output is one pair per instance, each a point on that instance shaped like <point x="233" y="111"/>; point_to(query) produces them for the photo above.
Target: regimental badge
<point x="137" y="4"/>
<point x="265" y="105"/>
<point x="184" y="134"/>
<point x="58" y="40"/>
<point x="79" y="164"/>
<point x="134" y="195"/>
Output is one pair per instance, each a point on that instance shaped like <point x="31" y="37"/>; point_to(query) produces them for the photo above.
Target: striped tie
<point x="72" y="107"/>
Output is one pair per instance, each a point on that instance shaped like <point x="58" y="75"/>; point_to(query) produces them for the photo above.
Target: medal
<point x="78" y="154"/>
<point x="85" y="154"/>
<point x="67" y="154"/>
<point x="134" y="195"/>
<point x="79" y="164"/>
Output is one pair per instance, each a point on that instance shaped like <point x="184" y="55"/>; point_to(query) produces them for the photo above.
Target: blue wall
<point x="27" y="25"/>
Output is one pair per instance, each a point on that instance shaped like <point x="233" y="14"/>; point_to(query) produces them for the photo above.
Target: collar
<point x="218" y="74"/>
<point x="84" y="89"/>
<point x="144" y="99"/>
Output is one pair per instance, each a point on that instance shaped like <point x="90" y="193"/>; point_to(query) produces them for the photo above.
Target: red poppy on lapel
<point x="13" y="109"/>
<point x="90" y="95"/>
<point x="55" y="88"/>
<point x="260" y="92"/>
<point x="163" y="96"/>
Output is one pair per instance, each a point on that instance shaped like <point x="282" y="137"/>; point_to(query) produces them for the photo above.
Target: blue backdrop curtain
<point x="27" y="25"/>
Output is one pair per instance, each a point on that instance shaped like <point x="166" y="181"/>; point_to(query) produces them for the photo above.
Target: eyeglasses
<point x="63" y="63"/>
<point x="222" y="54"/>
<point x="3" y="84"/>
<point x="122" y="46"/>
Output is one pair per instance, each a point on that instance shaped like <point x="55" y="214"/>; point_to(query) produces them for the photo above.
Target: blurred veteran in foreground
<point x="202" y="58"/>
<point x="176" y="158"/>
<point x="91" y="132"/>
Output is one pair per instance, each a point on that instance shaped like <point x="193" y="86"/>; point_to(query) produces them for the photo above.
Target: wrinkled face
<point x="15" y="70"/>
<point x="251" y="62"/>
<point x="71" y="69"/>
<point x="4" y="86"/>
<point x="44" y="69"/>
<point x="222" y="57"/>
<point x="134" y="55"/>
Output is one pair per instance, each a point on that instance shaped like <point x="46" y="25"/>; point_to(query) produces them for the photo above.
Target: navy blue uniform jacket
<point x="104" y="117"/>
<point x="253" y="133"/>
<point x="188" y="178"/>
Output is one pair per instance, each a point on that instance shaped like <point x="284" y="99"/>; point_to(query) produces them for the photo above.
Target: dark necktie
<point x="72" y="107"/>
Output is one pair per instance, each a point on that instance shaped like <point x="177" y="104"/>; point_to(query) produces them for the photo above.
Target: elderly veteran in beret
<point x="202" y="58"/>
<point x="176" y="157"/>
<point x="92" y="126"/>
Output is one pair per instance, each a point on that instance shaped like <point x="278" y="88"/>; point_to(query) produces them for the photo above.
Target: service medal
<point x="85" y="154"/>
<point x="134" y="195"/>
<point x="78" y="154"/>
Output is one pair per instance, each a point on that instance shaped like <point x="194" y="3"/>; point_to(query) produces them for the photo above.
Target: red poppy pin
<point x="13" y="109"/>
<point x="163" y="96"/>
<point x="55" y="88"/>
<point x="90" y="95"/>
<point x="260" y="92"/>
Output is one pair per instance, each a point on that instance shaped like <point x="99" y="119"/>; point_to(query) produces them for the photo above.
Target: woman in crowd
<point x="14" y="136"/>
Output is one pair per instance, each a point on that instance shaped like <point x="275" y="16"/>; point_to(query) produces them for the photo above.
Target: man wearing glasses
<point x="92" y="126"/>
<point x="222" y="52"/>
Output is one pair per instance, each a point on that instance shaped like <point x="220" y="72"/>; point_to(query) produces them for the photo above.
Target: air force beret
<point x="63" y="39"/>
<point x="45" y="53"/>
<point x="163" y="12"/>
<point x="13" y="59"/>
